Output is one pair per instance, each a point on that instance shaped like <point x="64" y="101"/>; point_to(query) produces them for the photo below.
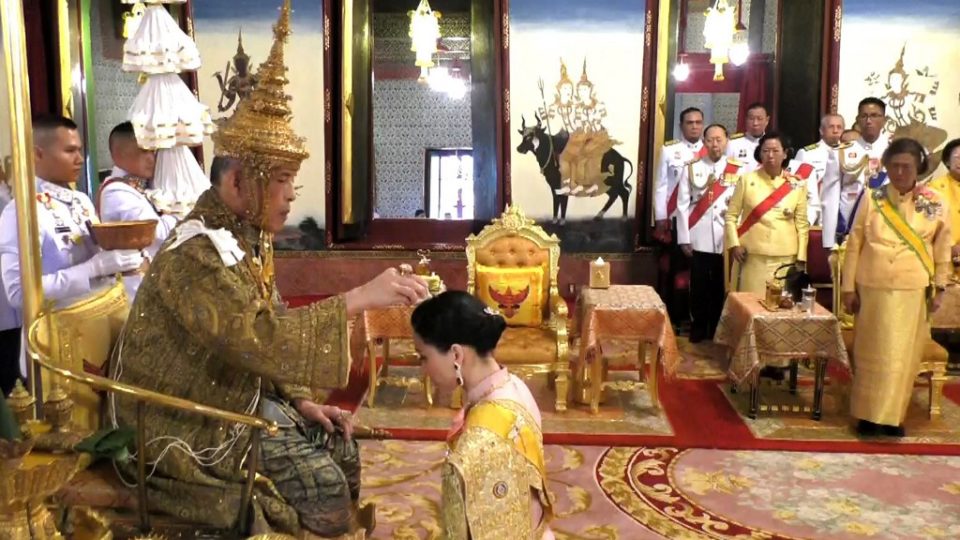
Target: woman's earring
<point x="456" y="367"/>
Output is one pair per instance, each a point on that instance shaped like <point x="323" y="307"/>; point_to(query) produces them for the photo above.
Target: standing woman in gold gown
<point x="948" y="186"/>
<point x="494" y="477"/>
<point x="894" y="274"/>
<point x="766" y="223"/>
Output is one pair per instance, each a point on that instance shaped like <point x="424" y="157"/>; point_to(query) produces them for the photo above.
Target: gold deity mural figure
<point x="911" y="96"/>
<point x="578" y="159"/>
<point x="235" y="88"/>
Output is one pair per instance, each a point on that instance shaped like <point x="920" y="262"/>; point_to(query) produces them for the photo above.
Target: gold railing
<point x="42" y="356"/>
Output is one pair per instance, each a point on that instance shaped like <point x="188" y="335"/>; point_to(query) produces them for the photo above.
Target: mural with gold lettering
<point x="905" y="54"/>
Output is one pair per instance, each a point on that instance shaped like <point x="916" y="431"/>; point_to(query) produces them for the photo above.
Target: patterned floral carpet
<point x="640" y="493"/>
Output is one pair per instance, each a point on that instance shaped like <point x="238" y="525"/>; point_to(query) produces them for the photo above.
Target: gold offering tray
<point x="775" y="307"/>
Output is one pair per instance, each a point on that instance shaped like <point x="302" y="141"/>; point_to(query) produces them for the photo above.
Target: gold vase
<point x="25" y="481"/>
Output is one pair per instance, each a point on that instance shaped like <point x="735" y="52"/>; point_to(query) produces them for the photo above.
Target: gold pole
<point x="66" y="63"/>
<point x="22" y="175"/>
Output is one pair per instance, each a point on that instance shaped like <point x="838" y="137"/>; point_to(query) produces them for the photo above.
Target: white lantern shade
<point x="160" y="46"/>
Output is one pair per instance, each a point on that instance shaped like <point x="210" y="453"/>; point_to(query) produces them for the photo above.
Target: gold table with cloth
<point x="757" y="337"/>
<point x="377" y="327"/>
<point x="623" y="312"/>
<point x="948" y="316"/>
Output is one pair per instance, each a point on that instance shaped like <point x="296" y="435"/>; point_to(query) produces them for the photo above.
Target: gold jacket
<point x="494" y="464"/>
<point x="207" y="332"/>
<point x="782" y="231"/>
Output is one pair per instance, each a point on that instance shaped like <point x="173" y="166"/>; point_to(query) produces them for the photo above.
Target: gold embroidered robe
<point x="202" y="331"/>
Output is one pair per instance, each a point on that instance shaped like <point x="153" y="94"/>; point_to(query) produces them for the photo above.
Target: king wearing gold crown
<point x="207" y="325"/>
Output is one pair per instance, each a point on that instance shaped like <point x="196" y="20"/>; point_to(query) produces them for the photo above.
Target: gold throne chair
<point x="515" y="249"/>
<point x="933" y="365"/>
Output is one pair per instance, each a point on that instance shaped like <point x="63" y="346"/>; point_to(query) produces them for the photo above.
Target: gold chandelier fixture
<point x="424" y="34"/>
<point x="725" y="34"/>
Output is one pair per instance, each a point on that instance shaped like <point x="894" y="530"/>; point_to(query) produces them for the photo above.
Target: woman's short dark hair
<point x="949" y="149"/>
<point x="784" y="141"/>
<point x="906" y="145"/>
<point x="455" y="317"/>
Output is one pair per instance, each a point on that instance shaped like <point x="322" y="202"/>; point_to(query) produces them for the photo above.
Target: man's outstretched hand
<point x="390" y="288"/>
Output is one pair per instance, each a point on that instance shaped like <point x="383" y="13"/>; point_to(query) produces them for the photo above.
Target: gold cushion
<point x="526" y="346"/>
<point x="517" y="293"/>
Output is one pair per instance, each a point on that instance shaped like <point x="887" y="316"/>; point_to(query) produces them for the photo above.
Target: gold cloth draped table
<point x="757" y="337"/>
<point x="622" y="312"/>
<point x="947" y="318"/>
<point x="377" y="327"/>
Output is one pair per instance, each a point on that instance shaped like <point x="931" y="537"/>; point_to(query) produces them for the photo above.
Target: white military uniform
<point x="818" y="155"/>
<point x="9" y="318"/>
<point x="857" y="164"/>
<point x="741" y="147"/>
<point x="123" y="198"/>
<point x="674" y="156"/>
<point x="696" y="182"/>
<point x="65" y="242"/>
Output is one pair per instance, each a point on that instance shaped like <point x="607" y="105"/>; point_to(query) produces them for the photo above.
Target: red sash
<point x="672" y="201"/>
<point x="761" y="209"/>
<point x="716" y="190"/>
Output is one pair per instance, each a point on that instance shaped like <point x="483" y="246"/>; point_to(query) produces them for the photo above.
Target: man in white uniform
<point x="857" y="165"/>
<point x="9" y="325"/>
<point x="674" y="156"/>
<point x="122" y="197"/>
<point x="706" y="186"/>
<point x="818" y="154"/>
<point x="742" y="145"/>
<point x="70" y="262"/>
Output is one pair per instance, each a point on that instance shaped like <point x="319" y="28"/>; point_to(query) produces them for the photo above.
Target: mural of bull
<point x="548" y="148"/>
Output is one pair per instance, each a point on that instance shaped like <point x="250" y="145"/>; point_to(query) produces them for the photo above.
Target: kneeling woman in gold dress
<point x="896" y="267"/>
<point x="494" y="478"/>
<point x="766" y="223"/>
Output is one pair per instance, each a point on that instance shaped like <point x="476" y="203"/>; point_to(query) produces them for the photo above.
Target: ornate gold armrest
<point x="42" y="356"/>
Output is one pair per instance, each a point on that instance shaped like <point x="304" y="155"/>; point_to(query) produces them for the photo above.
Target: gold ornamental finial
<point x="564" y="76"/>
<point x="259" y="132"/>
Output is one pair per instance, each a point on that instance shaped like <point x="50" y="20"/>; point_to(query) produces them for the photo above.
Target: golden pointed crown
<point x="564" y="77"/>
<point x="583" y="76"/>
<point x="259" y="132"/>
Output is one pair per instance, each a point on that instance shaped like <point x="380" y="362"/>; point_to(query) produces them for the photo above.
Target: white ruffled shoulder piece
<point x="223" y="240"/>
<point x="178" y="181"/>
<point x="160" y="46"/>
<point x="166" y="114"/>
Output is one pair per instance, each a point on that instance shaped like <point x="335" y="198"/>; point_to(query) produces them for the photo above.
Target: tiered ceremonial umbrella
<point x="166" y="115"/>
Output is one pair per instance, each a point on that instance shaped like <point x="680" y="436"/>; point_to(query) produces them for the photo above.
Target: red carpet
<point x="701" y="416"/>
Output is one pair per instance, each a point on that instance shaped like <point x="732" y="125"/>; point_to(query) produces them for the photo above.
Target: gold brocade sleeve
<point x="732" y="217"/>
<point x="221" y="308"/>
<point x="802" y="222"/>
<point x="495" y="488"/>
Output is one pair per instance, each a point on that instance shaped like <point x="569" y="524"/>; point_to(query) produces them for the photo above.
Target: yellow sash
<point x="899" y="224"/>
<point x="508" y="420"/>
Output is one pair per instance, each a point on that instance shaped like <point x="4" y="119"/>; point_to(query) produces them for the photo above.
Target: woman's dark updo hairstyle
<point x="906" y="145"/>
<point x="784" y="141"/>
<point x="455" y="317"/>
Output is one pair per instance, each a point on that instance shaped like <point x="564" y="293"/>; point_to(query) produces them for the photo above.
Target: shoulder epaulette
<point x="737" y="136"/>
<point x="672" y="142"/>
<point x="811" y="147"/>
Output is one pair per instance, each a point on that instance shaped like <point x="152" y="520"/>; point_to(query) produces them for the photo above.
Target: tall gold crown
<point x="259" y="132"/>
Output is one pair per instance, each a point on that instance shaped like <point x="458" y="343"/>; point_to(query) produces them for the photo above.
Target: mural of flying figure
<point x="579" y="158"/>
